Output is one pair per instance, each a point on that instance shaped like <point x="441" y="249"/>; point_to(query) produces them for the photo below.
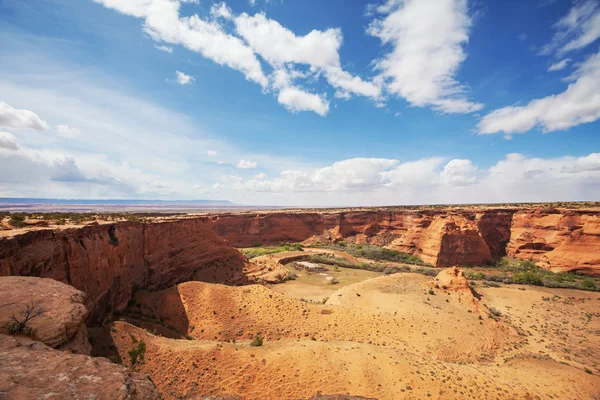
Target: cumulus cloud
<point x="8" y="141"/>
<point x="576" y="30"/>
<point x="166" y="49"/>
<point x="557" y="66"/>
<point x="459" y="173"/>
<point x="220" y="10"/>
<point x="20" y="119"/>
<point x="281" y="47"/>
<point x="184" y="79"/>
<point x="426" y="40"/>
<point x="579" y="104"/>
<point x="66" y="131"/>
<point x="296" y="100"/>
<point x="164" y="24"/>
<point x="262" y="175"/>
<point x="244" y="164"/>
<point x="211" y="153"/>
<point x="516" y="178"/>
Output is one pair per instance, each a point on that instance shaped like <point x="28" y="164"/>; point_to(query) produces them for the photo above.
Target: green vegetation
<point x="252" y="252"/>
<point x="525" y="272"/>
<point x="138" y="352"/>
<point x="330" y="259"/>
<point x="373" y="252"/>
<point x="257" y="341"/>
<point x="17" y="220"/>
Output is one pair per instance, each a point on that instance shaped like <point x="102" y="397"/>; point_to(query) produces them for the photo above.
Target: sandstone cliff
<point x="557" y="240"/>
<point x="109" y="262"/>
<point x="561" y="240"/>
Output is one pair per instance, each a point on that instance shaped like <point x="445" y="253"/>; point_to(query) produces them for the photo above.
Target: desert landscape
<point x="384" y="303"/>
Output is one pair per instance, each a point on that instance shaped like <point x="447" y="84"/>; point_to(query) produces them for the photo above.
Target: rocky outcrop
<point x="61" y="320"/>
<point x="557" y="240"/>
<point x="32" y="370"/>
<point x="440" y="238"/>
<point x="109" y="262"/>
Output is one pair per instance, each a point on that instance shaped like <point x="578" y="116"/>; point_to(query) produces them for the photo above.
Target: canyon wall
<point x="557" y="240"/>
<point x="109" y="262"/>
<point x="560" y="240"/>
<point x="440" y="238"/>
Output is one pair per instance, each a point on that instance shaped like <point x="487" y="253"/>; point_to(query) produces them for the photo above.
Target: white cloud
<point x="244" y="164"/>
<point x="426" y="39"/>
<point x="211" y="153"/>
<point x="557" y="66"/>
<point x="579" y="104"/>
<point x="67" y="132"/>
<point x="184" y="79"/>
<point x="576" y="30"/>
<point x="368" y="181"/>
<point x="278" y="45"/>
<point x="163" y="23"/>
<point x="262" y="175"/>
<point x="166" y="49"/>
<point x="8" y="141"/>
<point x="296" y="100"/>
<point x="20" y="119"/>
<point x="220" y="10"/>
<point x="252" y="2"/>
<point x="281" y="47"/>
<point x="459" y="173"/>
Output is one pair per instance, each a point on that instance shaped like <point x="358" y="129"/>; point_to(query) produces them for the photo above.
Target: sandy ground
<point x="386" y="337"/>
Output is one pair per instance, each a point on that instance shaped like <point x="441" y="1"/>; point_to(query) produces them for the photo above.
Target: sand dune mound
<point x="394" y="311"/>
<point x="296" y="369"/>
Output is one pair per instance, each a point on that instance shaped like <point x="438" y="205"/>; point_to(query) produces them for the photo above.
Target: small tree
<point x="18" y="324"/>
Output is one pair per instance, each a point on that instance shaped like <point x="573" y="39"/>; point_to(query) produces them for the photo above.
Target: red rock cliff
<point x="109" y="262"/>
<point x="440" y="238"/>
<point x="558" y="240"/>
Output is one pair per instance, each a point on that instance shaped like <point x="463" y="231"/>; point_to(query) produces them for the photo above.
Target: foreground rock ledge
<point x="62" y="323"/>
<point x="32" y="370"/>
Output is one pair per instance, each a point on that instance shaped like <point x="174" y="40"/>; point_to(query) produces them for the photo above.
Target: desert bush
<point x="334" y="281"/>
<point x="528" y="278"/>
<point x="138" y="352"/>
<point x="19" y="323"/>
<point x="588" y="283"/>
<point x="257" y="341"/>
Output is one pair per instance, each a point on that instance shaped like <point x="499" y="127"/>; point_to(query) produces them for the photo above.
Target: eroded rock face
<point x="32" y="370"/>
<point x="440" y="238"/>
<point x="557" y="240"/>
<point x="62" y="322"/>
<point x="109" y="262"/>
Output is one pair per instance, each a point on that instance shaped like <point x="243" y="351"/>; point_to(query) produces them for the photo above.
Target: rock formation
<point x="557" y="240"/>
<point x="61" y="321"/>
<point x="43" y="365"/>
<point x="109" y="262"/>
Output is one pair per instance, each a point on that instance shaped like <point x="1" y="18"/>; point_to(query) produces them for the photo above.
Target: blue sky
<point x="301" y="102"/>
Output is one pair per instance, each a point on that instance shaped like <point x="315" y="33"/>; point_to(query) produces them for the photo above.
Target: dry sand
<point x="386" y="337"/>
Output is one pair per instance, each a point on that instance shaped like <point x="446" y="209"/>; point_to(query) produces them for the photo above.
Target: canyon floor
<point x="403" y="335"/>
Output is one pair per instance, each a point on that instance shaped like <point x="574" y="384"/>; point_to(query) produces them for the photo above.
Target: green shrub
<point x="528" y="278"/>
<point x="588" y="283"/>
<point x="257" y="341"/>
<point x="138" y="352"/>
